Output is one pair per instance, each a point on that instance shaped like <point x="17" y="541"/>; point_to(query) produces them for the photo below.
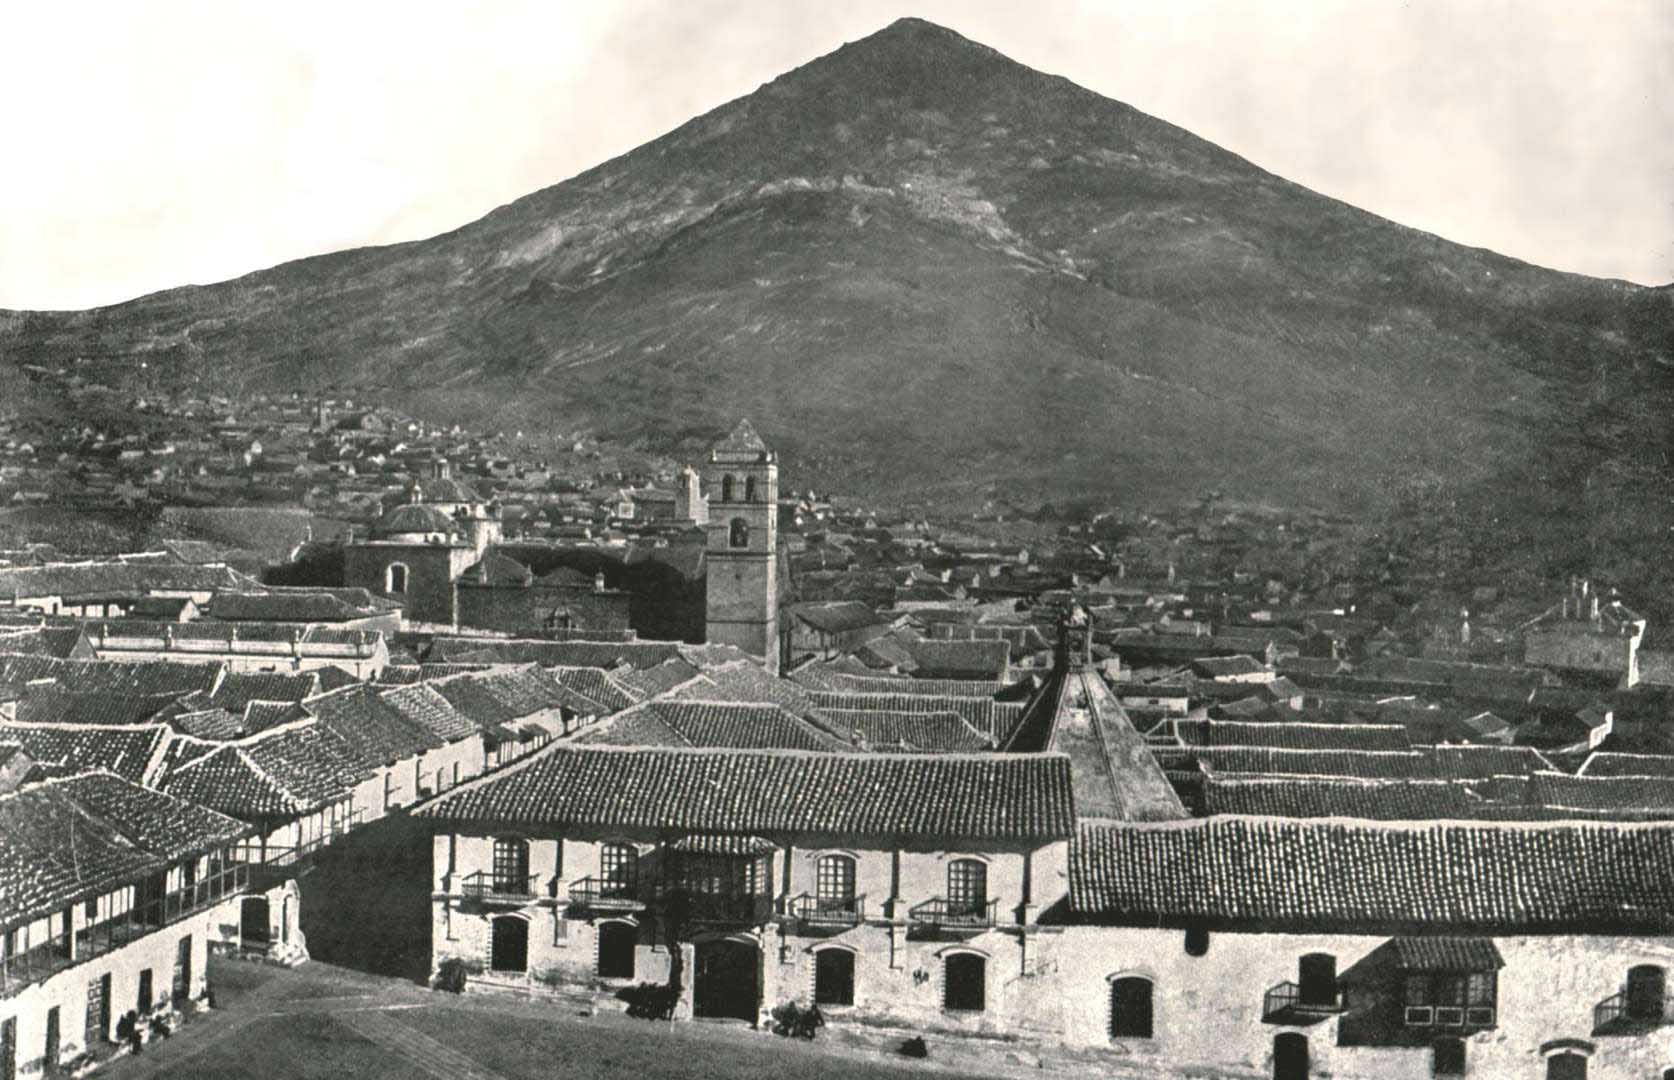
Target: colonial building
<point x="908" y="887"/>
<point x="742" y="478"/>
<point x="111" y="896"/>
<point x="1587" y="640"/>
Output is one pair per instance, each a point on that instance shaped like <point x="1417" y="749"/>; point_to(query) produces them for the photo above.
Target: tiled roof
<point x="743" y="726"/>
<point x="1386" y="764"/>
<point x="605" y="654"/>
<point x="651" y="681"/>
<point x="836" y="617"/>
<point x="1642" y="796"/>
<point x="1448" y="954"/>
<point x="984" y="656"/>
<point x="816" y="678"/>
<point x="908" y="732"/>
<point x="1341" y="797"/>
<point x="288" y="607"/>
<point x="496" y="569"/>
<point x="52" y="705"/>
<point x="412" y="673"/>
<point x="980" y="796"/>
<point x="1220" y="666"/>
<point x="1468" y="761"/>
<point x="1293" y="736"/>
<point x="993" y="718"/>
<point x="1609" y="764"/>
<point x="415" y="518"/>
<point x="425" y="706"/>
<point x="117" y="579"/>
<point x="124" y="751"/>
<point x="65" y="839"/>
<point x="744" y="681"/>
<point x="106" y="676"/>
<point x="282" y="774"/>
<point x="503" y="696"/>
<point x="375" y="733"/>
<point x="1367" y="877"/>
<point x="207" y="723"/>
<point x="598" y="685"/>
<point x="238" y="688"/>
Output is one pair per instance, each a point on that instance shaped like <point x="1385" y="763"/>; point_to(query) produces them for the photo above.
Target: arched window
<point x="395" y="578"/>
<point x="738" y="535"/>
<point x="1197" y="940"/>
<point x="964" y="982"/>
<point x="967" y="888"/>
<point x="726" y="489"/>
<point x="618" y="870"/>
<point x="511" y="865"/>
<point x="1290" y="1056"/>
<point x="834" y="883"/>
<point x="1568" y="1065"/>
<point x="749" y="489"/>
<point x="1646" y="987"/>
<point x="834" y="977"/>
<point x="1130" y="1008"/>
<point x="1448" y="1057"/>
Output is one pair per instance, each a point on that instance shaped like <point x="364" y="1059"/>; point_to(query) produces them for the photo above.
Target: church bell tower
<point x="741" y="479"/>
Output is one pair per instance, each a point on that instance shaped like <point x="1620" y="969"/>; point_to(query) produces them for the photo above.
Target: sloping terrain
<point x="931" y="274"/>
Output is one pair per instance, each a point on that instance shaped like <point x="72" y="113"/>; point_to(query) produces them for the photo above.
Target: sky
<point x="158" y="143"/>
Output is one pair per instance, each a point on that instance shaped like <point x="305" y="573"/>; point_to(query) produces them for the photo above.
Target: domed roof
<point x="415" y="518"/>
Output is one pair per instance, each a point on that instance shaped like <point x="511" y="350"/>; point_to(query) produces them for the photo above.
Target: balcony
<point x="50" y="957"/>
<point x="940" y="913"/>
<point x="601" y="894"/>
<point x="487" y="888"/>
<point x="1627" y="1013"/>
<point x="827" y="911"/>
<point x="726" y="909"/>
<point x="1291" y="1003"/>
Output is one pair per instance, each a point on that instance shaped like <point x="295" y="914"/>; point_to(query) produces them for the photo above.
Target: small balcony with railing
<point x="607" y="894"/>
<point x="500" y="890"/>
<point x="1639" y="1008"/>
<point x="1297" y="1003"/>
<point x="826" y="912"/>
<point x="943" y="915"/>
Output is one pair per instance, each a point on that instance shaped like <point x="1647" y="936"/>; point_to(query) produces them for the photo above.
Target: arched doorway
<point x="964" y="982"/>
<point x="728" y="980"/>
<point x="509" y="945"/>
<point x="1130" y="1008"/>
<point x="1290" y="1056"/>
<point x="834" y="977"/>
<point x="1568" y="1065"/>
<point x="616" y="949"/>
<point x="253" y="918"/>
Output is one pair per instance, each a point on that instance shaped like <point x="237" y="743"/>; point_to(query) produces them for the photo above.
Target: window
<point x="1197" y="941"/>
<point x="739" y="534"/>
<point x="967" y="887"/>
<point x="1566" y="1066"/>
<point x="726" y="489"/>
<point x="1450" y="998"/>
<point x="1646" y="985"/>
<point x="144" y="1000"/>
<point x="395" y="578"/>
<point x="834" y="883"/>
<point x="618" y="869"/>
<point x="834" y="977"/>
<point x="1448" y="1058"/>
<point x="1130" y="1008"/>
<point x="964" y="978"/>
<point x="750" y="489"/>
<point x="1317" y="979"/>
<point x="511" y="865"/>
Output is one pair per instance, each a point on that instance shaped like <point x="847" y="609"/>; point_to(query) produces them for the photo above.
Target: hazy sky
<point x="154" y="143"/>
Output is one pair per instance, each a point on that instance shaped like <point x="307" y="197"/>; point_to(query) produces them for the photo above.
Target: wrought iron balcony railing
<point x="1289" y="1000"/>
<point x="944" y="914"/>
<point x="841" y="911"/>
<point x="605" y="894"/>
<point x="498" y="888"/>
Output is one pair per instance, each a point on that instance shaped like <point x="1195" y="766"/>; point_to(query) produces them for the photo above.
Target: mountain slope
<point x="928" y="272"/>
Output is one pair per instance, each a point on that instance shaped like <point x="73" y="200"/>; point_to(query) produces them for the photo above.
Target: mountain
<point x="929" y="273"/>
